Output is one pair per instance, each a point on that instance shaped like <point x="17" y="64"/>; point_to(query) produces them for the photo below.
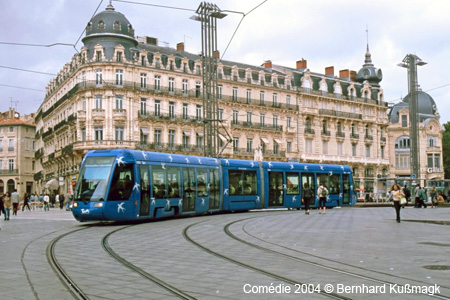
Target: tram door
<point x="145" y="190"/>
<point x="346" y="195"/>
<point x="276" y="189"/>
<point x="188" y="190"/>
<point x="309" y="179"/>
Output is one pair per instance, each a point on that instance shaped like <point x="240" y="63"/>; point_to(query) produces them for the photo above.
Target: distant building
<point x="128" y="92"/>
<point x="430" y="140"/>
<point x="17" y="142"/>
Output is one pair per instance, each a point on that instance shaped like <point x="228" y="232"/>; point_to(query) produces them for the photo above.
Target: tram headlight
<point x="75" y="204"/>
<point x="98" y="204"/>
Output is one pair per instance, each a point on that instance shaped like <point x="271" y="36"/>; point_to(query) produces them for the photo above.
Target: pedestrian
<point x="46" y="202"/>
<point x="26" y="200"/>
<point x="422" y="197"/>
<point x="61" y="201"/>
<point x="407" y="193"/>
<point x="307" y="195"/>
<point x="15" y="199"/>
<point x="2" y="206"/>
<point x="440" y="199"/>
<point x="433" y="196"/>
<point x="322" y="192"/>
<point x="8" y="205"/>
<point x="395" y="194"/>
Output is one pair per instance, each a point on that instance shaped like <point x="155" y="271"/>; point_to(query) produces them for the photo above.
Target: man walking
<point x="15" y="199"/>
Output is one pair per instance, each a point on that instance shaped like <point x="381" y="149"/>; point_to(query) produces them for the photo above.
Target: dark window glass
<point x="242" y="182"/>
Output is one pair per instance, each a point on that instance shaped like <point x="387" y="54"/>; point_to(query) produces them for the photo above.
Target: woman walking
<point x="396" y="194"/>
<point x="8" y="205"/>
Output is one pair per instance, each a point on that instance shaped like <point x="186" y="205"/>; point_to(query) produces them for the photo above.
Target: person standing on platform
<point x="395" y="194"/>
<point x="307" y="195"/>
<point x="322" y="192"/>
<point x="15" y="199"/>
<point x="433" y="196"/>
<point x="61" y="201"/>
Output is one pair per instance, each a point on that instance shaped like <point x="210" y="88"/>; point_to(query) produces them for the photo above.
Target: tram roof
<point x="294" y="166"/>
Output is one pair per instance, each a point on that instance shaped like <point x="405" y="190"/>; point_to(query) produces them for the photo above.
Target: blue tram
<point x="124" y="184"/>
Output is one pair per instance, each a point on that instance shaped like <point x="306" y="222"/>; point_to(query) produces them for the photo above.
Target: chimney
<point x="180" y="47"/>
<point x="352" y="75"/>
<point x="329" y="71"/>
<point x="301" y="64"/>
<point x="344" y="74"/>
<point x="267" y="64"/>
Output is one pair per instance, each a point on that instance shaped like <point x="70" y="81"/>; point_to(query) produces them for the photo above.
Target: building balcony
<point x="340" y="114"/>
<point x="119" y="114"/>
<point x="256" y="126"/>
<point x="434" y="149"/>
<point x="309" y="131"/>
<point x="258" y="102"/>
<point x="340" y="135"/>
<point x="166" y="117"/>
<point x="98" y="114"/>
<point x="354" y="136"/>
<point x="383" y="139"/>
<point x="326" y="133"/>
<point x="9" y="172"/>
<point x="290" y="129"/>
<point x="368" y="138"/>
<point x="103" y="144"/>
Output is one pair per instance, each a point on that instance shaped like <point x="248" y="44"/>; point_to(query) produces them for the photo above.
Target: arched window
<point x="101" y="24"/>
<point x="353" y="129"/>
<point x="352" y="93"/>
<point x="367" y="130"/>
<point x="2" y="187"/>
<point x="307" y="85"/>
<point x="89" y="26"/>
<point x="116" y="25"/>
<point x="11" y="186"/>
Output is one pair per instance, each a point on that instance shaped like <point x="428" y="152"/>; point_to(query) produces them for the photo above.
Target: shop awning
<point x="265" y="141"/>
<point x="277" y="141"/>
<point x="145" y="131"/>
<point x="200" y="133"/>
<point x="187" y="133"/>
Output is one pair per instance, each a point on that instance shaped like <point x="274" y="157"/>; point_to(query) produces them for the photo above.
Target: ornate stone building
<point x="17" y="146"/>
<point x="430" y="140"/>
<point x="128" y="92"/>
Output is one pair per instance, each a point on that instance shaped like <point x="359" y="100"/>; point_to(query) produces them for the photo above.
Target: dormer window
<point x="119" y="56"/>
<point x="89" y="26"/>
<point x="101" y="24"/>
<point x="116" y="25"/>
<point x="130" y="29"/>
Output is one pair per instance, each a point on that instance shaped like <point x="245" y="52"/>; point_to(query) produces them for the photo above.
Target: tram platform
<point x="347" y="246"/>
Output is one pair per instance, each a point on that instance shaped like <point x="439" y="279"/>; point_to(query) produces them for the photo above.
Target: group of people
<point x="396" y="193"/>
<point x="308" y="195"/>
<point x="11" y="202"/>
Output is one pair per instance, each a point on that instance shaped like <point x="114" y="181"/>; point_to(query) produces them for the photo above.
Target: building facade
<point x="430" y="140"/>
<point x="17" y="148"/>
<point x="128" y="92"/>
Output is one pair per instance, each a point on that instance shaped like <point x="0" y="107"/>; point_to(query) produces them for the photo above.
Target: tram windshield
<point x="93" y="179"/>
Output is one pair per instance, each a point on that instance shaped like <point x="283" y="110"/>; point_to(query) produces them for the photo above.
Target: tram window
<point x="202" y="183"/>
<point x="323" y="179"/>
<point x="122" y="182"/>
<point x="159" y="182"/>
<point x="292" y="183"/>
<point x="188" y="189"/>
<point x="173" y="180"/>
<point x="335" y="184"/>
<point x="242" y="182"/>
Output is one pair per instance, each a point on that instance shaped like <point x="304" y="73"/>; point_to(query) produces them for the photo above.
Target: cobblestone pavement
<point x="359" y="253"/>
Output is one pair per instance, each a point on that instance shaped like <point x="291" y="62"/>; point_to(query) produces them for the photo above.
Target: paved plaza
<point x="350" y="253"/>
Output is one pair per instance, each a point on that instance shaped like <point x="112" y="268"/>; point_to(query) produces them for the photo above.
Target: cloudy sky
<point x="324" y="32"/>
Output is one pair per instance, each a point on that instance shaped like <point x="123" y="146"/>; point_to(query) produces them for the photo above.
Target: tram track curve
<point x="253" y="268"/>
<point x="321" y="265"/>
<point x="170" y="288"/>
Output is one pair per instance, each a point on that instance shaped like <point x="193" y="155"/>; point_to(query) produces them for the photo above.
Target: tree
<point x="446" y="150"/>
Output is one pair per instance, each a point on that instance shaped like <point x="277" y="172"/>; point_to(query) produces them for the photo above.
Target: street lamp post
<point x="411" y="61"/>
<point x="207" y="14"/>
